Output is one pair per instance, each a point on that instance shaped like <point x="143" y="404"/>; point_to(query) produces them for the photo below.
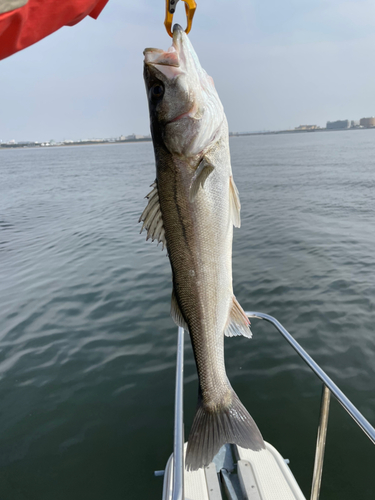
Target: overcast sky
<point x="276" y="65"/>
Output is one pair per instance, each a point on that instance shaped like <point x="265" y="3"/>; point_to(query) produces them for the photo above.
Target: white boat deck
<point x="240" y="474"/>
<point x="262" y="475"/>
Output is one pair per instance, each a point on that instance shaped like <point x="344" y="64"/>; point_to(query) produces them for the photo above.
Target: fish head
<point x="185" y="110"/>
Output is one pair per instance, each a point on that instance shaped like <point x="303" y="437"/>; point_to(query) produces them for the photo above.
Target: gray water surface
<point x="87" y="345"/>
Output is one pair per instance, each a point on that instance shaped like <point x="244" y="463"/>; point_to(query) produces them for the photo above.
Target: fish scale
<point x="198" y="204"/>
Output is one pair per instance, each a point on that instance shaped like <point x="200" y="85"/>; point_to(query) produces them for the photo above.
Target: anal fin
<point x="176" y="313"/>
<point x="238" y="322"/>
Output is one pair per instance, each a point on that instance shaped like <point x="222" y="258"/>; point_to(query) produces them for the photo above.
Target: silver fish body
<point x="192" y="209"/>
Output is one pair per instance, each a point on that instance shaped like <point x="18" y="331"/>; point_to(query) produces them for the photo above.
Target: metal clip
<point x="190" y="7"/>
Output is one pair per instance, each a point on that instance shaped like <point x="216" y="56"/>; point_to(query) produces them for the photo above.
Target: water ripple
<point x="87" y="347"/>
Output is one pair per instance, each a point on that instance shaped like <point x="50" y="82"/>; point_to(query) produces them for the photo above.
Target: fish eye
<point x="157" y="91"/>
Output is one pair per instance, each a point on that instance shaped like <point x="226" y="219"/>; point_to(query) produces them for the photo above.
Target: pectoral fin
<point x="238" y="323"/>
<point x="152" y="217"/>
<point x="235" y="204"/>
<point x="203" y="171"/>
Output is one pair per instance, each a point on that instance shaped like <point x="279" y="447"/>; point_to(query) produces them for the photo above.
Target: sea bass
<point x="192" y="209"/>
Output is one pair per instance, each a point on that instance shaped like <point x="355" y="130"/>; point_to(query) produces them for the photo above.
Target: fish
<point x="192" y="208"/>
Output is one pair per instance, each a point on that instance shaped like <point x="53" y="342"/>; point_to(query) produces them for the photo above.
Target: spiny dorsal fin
<point x="234" y="203"/>
<point x="199" y="178"/>
<point x="238" y="323"/>
<point x="152" y="218"/>
<point x="176" y="313"/>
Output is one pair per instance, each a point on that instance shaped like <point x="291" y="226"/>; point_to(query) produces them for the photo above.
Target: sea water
<point x="87" y="347"/>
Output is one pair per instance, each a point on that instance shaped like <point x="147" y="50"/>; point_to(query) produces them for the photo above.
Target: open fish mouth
<point x="168" y="62"/>
<point x="187" y="108"/>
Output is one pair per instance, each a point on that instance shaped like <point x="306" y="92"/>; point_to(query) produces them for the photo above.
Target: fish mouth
<point x="188" y="114"/>
<point x="171" y="63"/>
<point x="168" y="62"/>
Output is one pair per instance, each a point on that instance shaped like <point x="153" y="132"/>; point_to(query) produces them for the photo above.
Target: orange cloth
<point x="26" y="25"/>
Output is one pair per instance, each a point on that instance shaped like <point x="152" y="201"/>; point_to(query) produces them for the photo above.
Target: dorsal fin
<point x="238" y="322"/>
<point x="176" y="313"/>
<point x="199" y="178"/>
<point x="152" y="217"/>
<point x="234" y="203"/>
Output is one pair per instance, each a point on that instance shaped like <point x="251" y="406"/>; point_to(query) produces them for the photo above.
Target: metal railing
<point x="179" y="440"/>
<point x="328" y="387"/>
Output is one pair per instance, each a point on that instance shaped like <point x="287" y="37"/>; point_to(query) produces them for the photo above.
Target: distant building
<point x="367" y="122"/>
<point x="307" y="127"/>
<point x="354" y="124"/>
<point x="338" y="125"/>
<point x="133" y="137"/>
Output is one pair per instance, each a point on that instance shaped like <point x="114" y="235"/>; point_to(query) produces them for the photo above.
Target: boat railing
<point x="328" y="388"/>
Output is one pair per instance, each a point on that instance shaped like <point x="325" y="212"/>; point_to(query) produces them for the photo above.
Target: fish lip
<point x="177" y="27"/>
<point x="175" y="39"/>
<point x="178" y="33"/>
<point x="152" y="63"/>
<point x="152" y="49"/>
<point x="176" y="47"/>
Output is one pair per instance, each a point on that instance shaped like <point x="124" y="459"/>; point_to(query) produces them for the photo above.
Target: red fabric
<point x="37" y="19"/>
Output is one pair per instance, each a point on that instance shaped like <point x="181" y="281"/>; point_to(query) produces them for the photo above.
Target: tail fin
<point x="212" y="428"/>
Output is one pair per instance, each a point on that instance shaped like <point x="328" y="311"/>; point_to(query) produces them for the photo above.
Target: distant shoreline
<point x="74" y="143"/>
<point x="294" y="131"/>
<point x="148" y="139"/>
